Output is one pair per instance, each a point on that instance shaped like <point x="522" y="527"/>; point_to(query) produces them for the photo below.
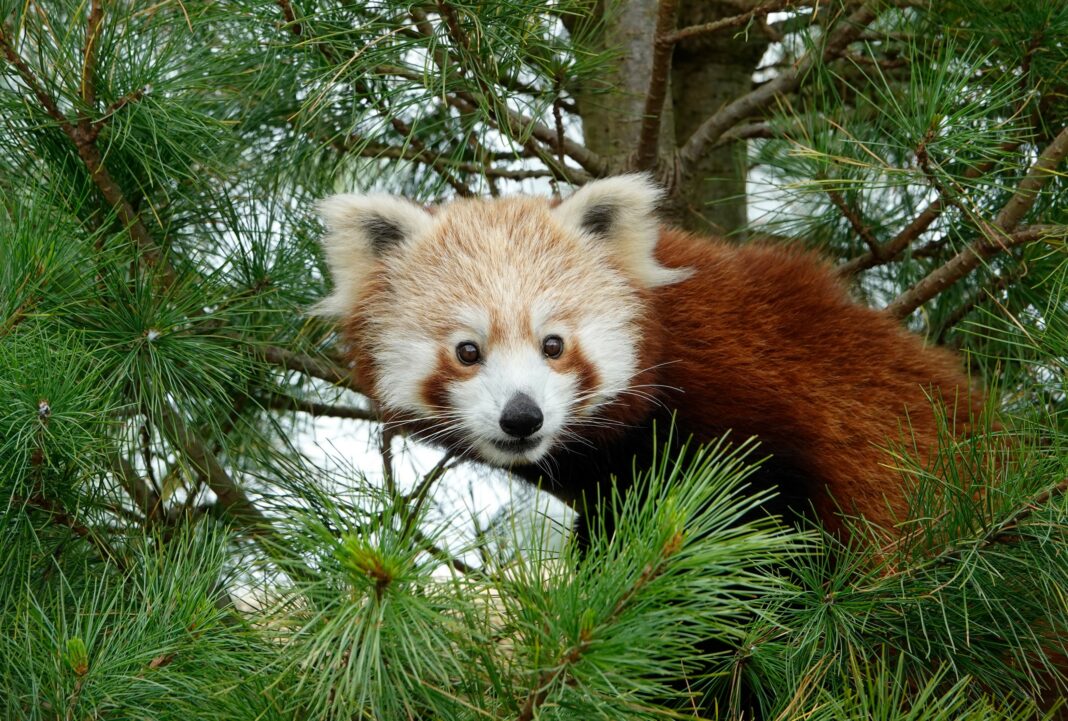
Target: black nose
<point x="521" y="416"/>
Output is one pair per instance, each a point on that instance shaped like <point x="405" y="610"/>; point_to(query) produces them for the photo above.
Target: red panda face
<point x="497" y="326"/>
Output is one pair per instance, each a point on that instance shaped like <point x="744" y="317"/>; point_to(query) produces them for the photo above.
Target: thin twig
<point x="649" y="135"/>
<point x="289" y="403"/>
<point x="854" y="219"/>
<point x="760" y="11"/>
<point x="355" y="146"/>
<point x="422" y="491"/>
<point x="444" y="556"/>
<point x="92" y="32"/>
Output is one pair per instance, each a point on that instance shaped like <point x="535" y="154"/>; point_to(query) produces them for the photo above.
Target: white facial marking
<point x="610" y="345"/>
<point x="505" y="372"/>
<point x="406" y="360"/>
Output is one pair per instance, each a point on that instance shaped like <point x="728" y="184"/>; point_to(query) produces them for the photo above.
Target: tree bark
<point x="612" y="106"/>
<point x="707" y="73"/>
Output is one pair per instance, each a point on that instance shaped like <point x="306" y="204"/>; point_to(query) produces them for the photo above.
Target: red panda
<point x="548" y="338"/>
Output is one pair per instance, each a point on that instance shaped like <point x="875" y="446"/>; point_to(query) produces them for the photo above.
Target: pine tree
<point x="170" y="552"/>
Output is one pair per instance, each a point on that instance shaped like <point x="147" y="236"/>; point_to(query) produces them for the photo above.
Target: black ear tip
<point x="599" y="219"/>
<point x="382" y="232"/>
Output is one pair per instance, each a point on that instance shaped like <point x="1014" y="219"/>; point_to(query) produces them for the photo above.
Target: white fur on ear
<point x="360" y="230"/>
<point x="621" y="212"/>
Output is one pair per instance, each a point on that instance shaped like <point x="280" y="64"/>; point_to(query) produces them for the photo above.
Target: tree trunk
<point x="707" y="72"/>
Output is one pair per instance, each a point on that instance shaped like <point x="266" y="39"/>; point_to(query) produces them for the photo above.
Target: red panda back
<point x="765" y="341"/>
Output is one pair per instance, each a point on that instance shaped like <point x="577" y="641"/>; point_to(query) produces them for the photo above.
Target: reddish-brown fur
<point x="765" y="341"/>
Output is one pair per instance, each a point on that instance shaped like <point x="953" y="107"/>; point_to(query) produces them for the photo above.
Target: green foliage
<point x="169" y="549"/>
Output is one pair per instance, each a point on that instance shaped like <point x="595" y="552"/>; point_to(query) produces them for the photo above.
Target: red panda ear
<point x="621" y="213"/>
<point x="361" y="229"/>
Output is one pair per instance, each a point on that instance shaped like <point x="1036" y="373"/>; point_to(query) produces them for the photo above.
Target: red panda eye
<point x="552" y="346"/>
<point x="468" y="353"/>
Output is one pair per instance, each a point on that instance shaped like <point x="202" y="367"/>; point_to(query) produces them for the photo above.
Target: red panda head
<point x="496" y="326"/>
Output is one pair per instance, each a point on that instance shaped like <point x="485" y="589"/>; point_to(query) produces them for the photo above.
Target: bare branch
<point x="1000" y="283"/>
<point x="138" y="489"/>
<point x="996" y="236"/>
<point x="92" y="31"/>
<point x="1027" y="191"/>
<point x="747" y="131"/>
<point x="789" y="80"/>
<point x="289" y="403"/>
<point x="965" y="262"/>
<point x="645" y="156"/>
<point x="892" y="248"/>
<point x="321" y="369"/>
<point x="232" y="498"/>
<point x="759" y="12"/>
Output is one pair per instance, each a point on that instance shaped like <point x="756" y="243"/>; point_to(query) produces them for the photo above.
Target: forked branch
<point x="710" y="131"/>
<point x="996" y="237"/>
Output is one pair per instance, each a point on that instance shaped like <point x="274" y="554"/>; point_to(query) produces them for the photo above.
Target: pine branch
<point x="965" y="262"/>
<point x="540" y="692"/>
<point x="408" y="133"/>
<point x="712" y="129"/>
<point x="83" y="136"/>
<point x="1000" y="532"/>
<point x="518" y="124"/>
<point x="645" y="156"/>
<point x="296" y="26"/>
<point x="59" y="514"/>
<point x="895" y="246"/>
<point x="997" y="236"/>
